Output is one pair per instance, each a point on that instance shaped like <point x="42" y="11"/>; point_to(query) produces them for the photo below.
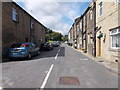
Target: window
<point x="100" y="8"/>
<point x="78" y="28"/>
<point x="118" y="1"/>
<point x="90" y="15"/>
<point x="14" y="15"/>
<point x="115" y="38"/>
<point x="31" y="25"/>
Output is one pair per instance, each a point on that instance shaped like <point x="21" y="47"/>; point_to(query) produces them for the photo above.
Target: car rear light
<point x="25" y="45"/>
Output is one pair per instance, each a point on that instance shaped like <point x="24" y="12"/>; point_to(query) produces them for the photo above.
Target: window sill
<point x="114" y="50"/>
<point x="15" y="21"/>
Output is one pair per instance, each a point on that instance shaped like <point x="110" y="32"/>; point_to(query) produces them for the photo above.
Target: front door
<point x="99" y="46"/>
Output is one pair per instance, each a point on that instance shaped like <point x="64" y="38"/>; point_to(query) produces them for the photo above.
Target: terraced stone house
<point x="18" y="26"/>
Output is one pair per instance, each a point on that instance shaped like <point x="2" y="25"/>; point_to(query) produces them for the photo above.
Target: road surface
<point x="62" y="67"/>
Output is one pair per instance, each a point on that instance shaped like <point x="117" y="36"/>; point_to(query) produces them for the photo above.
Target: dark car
<point x="24" y="50"/>
<point x="46" y="46"/>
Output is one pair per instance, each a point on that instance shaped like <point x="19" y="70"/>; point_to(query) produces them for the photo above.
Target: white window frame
<point x="113" y="34"/>
<point x="31" y="25"/>
<point x="14" y="15"/>
<point x="100" y="8"/>
<point x="118" y="1"/>
<point x="91" y="15"/>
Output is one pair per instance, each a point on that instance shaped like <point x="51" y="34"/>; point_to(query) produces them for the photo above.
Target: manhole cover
<point x="69" y="81"/>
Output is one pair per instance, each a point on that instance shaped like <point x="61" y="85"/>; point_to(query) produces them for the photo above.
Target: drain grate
<point x="69" y="81"/>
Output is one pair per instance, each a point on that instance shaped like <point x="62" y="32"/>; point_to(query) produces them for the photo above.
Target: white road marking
<point x="1" y="88"/>
<point x="84" y="59"/>
<point x="56" y="56"/>
<point x="47" y="76"/>
<point x="59" y="50"/>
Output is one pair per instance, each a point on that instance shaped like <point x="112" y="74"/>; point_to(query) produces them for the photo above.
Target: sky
<point x="58" y="16"/>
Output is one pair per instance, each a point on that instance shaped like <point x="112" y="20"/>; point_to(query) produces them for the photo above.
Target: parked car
<point x="66" y="42"/>
<point x="55" y="44"/>
<point x="46" y="46"/>
<point x="59" y="42"/>
<point x="24" y="50"/>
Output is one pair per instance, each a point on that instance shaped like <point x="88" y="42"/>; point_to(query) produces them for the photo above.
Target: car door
<point x="34" y="49"/>
<point x="31" y="49"/>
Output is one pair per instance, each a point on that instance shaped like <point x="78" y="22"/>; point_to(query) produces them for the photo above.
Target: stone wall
<point x="19" y="32"/>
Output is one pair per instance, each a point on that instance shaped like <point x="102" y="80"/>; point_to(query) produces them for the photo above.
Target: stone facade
<point x="90" y="29"/>
<point x="84" y="31"/>
<point x="79" y="32"/>
<point x="100" y="30"/>
<point x="70" y="35"/>
<point x="24" y="29"/>
<point x="0" y="30"/>
<point x="108" y="21"/>
<point x="78" y="26"/>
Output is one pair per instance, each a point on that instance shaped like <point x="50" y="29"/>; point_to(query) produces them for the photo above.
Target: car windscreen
<point x="46" y="44"/>
<point x="15" y="45"/>
<point x="54" y="42"/>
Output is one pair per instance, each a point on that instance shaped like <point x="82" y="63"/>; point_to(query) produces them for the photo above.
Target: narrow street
<point x="49" y="69"/>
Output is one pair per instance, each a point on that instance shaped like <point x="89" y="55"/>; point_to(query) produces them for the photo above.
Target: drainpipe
<point x="82" y="31"/>
<point x="94" y="29"/>
<point x="30" y="29"/>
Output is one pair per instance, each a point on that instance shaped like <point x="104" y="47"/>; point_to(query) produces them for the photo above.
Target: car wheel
<point x="49" y="49"/>
<point x="29" y="56"/>
<point x="10" y="58"/>
<point x="38" y="52"/>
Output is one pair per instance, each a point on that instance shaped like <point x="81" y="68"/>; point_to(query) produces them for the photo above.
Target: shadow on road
<point x="43" y="54"/>
<point x="52" y="53"/>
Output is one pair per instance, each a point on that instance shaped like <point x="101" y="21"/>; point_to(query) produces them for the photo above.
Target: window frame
<point x="90" y="15"/>
<point x="118" y="1"/>
<point x="114" y="34"/>
<point x="100" y="8"/>
<point x="31" y="25"/>
<point x="14" y="15"/>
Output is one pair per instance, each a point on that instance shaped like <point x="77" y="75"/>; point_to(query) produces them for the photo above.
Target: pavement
<point x="112" y="66"/>
<point x="63" y="67"/>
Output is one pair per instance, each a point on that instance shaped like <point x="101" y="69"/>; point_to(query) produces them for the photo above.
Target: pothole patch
<point x="69" y="81"/>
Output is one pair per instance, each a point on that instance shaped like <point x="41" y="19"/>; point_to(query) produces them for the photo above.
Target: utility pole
<point x="94" y="28"/>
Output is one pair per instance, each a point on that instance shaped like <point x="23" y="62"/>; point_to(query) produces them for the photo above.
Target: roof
<point x="28" y="13"/>
<point x="86" y="10"/>
<point x="78" y="19"/>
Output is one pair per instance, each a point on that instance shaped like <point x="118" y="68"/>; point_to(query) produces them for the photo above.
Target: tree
<point x="52" y="35"/>
<point x="65" y="38"/>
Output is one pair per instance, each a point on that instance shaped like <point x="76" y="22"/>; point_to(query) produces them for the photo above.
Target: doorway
<point x="99" y="46"/>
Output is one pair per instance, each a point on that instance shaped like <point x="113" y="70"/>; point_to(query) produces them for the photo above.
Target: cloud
<point x="51" y="14"/>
